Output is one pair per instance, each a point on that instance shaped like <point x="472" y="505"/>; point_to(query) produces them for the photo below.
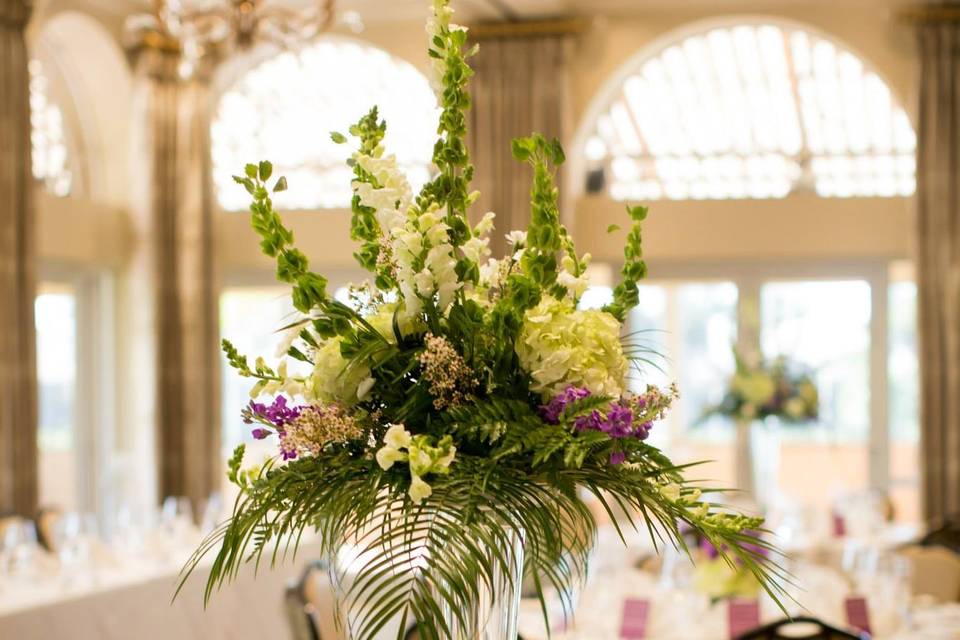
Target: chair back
<point x="802" y="628"/>
<point x="298" y="615"/>
<point x="947" y="536"/>
<point x="321" y="601"/>
<point x="936" y="572"/>
<point x="46" y="521"/>
<point x="311" y="605"/>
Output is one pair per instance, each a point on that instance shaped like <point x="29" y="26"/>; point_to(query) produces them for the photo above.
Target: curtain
<point x="18" y="370"/>
<point x="938" y="220"/>
<point x="519" y="88"/>
<point x="174" y="218"/>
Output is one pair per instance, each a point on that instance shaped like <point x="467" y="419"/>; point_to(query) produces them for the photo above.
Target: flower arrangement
<point x="460" y="402"/>
<point x="762" y="388"/>
<point x="721" y="580"/>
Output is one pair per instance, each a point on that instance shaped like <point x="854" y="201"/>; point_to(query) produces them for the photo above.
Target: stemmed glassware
<point x="75" y="539"/>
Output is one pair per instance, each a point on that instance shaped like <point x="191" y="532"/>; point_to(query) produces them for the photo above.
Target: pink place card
<point x="742" y="615"/>
<point x="635" y="614"/>
<point x="839" y="526"/>
<point x="858" y="615"/>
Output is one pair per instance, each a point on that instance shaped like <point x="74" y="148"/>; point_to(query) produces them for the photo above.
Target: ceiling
<point x="490" y="10"/>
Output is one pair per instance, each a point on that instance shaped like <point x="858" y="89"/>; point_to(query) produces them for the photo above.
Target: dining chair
<point x="947" y="535"/>
<point x="311" y="605"/>
<point x="936" y="571"/>
<point x="802" y="628"/>
<point x="46" y="522"/>
<point x="298" y="614"/>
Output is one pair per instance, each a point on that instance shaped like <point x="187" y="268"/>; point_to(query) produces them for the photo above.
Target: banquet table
<point x="136" y="603"/>
<point x="133" y="600"/>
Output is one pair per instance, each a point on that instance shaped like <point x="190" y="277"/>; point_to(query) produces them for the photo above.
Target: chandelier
<point x="197" y="28"/>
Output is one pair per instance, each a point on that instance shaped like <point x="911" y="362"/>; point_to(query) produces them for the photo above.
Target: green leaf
<point x="251" y="171"/>
<point x="281" y="185"/>
<point x="266" y="169"/>
<point x="613" y="228"/>
<point x="521" y="149"/>
<point x="338" y="137"/>
<point x="637" y="214"/>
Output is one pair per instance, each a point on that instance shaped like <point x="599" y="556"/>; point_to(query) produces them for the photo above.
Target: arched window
<point x="753" y="110"/>
<point x="49" y="151"/>
<point x="285" y="108"/>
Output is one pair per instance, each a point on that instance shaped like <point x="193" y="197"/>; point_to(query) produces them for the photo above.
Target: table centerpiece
<point x="455" y="416"/>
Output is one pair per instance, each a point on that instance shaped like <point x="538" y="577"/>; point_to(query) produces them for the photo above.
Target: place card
<point x="742" y="615"/>
<point x="858" y="616"/>
<point x="635" y="614"/>
<point x="839" y="526"/>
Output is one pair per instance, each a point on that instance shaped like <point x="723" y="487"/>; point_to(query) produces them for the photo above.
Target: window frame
<point x="578" y="167"/>
<point x="94" y="411"/>
<point x="750" y="275"/>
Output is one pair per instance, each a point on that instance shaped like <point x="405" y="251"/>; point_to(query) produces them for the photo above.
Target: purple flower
<point x="277" y="414"/>
<point x="709" y="549"/>
<point x="253" y="409"/>
<point x="617" y="457"/>
<point x="756" y="550"/>
<point x="552" y="411"/>
<point x="280" y="414"/>
<point x="619" y="423"/>
<point x="643" y="431"/>
<point x="591" y="421"/>
<point x="260" y="434"/>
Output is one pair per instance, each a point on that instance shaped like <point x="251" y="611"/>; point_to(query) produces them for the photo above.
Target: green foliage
<point x="233" y="465"/>
<point x="451" y="187"/>
<point x="626" y="294"/>
<point x="369" y="130"/>
<point x="309" y="289"/>
<point x="460" y="535"/>
<point x="545" y="234"/>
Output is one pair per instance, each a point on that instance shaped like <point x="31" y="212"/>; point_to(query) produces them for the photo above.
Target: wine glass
<point x="20" y="549"/>
<point x="75" y="540"/>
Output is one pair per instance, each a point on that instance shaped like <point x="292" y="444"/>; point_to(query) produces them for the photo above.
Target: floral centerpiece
<point x="762" y="393"/>
<point x="762" y="388"/>
<point x="454" y="416"/>
<point x="719" y="579"/>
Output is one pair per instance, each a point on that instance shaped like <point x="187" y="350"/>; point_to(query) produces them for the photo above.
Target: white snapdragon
<point x="392" y="198"/>
<point x="485" y="226"/>
<point x="517" y="239"/>
<point x="285" y="383"/>
<point x="440" y="19"/>
<point x="575" y="285"/>
<point x="286" y="341"/>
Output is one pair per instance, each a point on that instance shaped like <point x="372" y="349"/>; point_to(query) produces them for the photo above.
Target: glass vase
<point x="758" y="459"/>
<point x="493" y="615"/>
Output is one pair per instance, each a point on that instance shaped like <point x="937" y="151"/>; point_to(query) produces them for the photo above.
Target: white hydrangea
<point x="560" y="346"/>
<point x="334" y="379"/>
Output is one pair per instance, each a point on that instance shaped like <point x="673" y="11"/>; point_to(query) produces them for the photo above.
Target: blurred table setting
<point x="63" y="576"/>
<point x="61" y="579"/>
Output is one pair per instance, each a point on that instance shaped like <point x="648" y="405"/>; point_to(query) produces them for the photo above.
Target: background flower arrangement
<point x="762" y="388"/>
<point x="461" y="402"/>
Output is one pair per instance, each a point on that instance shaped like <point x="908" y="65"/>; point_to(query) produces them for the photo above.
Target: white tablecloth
<point x="129" y="608"/>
